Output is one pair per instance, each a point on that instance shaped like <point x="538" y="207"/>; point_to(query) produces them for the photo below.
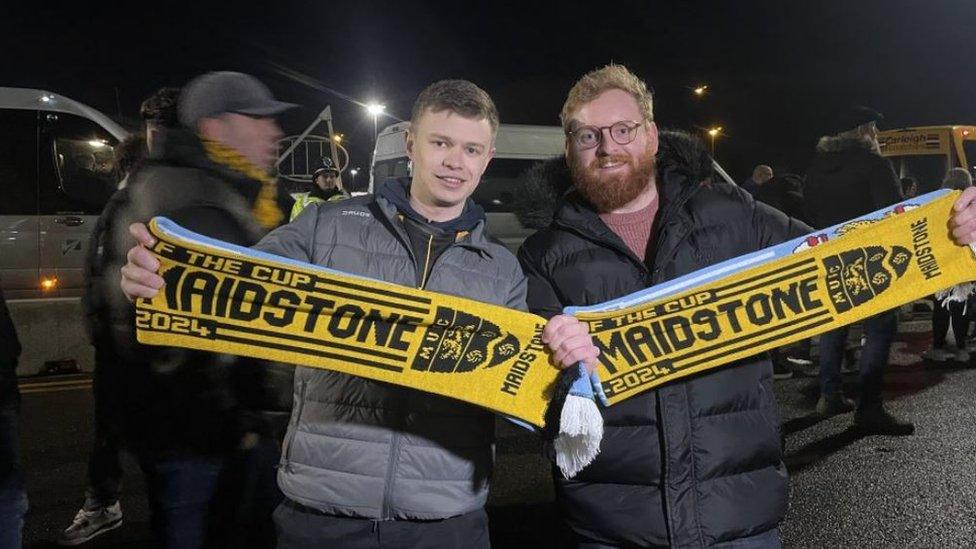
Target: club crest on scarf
<point x="459" y="342"/>
<point x="854" y="277"/>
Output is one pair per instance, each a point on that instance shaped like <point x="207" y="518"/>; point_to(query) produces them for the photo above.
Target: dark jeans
<point x="766" y="540"/>
<point x="249" y="494"/>
<point x="180" y="492"/>
<point x="303" y="528"/>
<point x="105" y="463"/>
<point x="879" y="331"/>
<point x="215" y="501"/>
<point x="13" y="496"/>
<point x="942" y="316"/>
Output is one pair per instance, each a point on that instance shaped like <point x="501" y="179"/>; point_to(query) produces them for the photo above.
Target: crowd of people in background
<point x="238" y="452"/>
<point x="849" y="177"/>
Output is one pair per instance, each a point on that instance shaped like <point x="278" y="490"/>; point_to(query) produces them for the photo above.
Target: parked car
<point x="56" y="173"/>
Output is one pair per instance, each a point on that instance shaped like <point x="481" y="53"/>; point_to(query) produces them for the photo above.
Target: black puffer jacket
<point x="847" y="179"/>
<point x="192" y="402"/>
<point x="697" y="461"/>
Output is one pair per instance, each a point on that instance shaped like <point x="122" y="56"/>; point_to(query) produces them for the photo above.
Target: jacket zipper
<point x="298" y="420"/>
<point x="387" y="513"/>
<point x="427" y="265"/>
<point x="666" y="485"/>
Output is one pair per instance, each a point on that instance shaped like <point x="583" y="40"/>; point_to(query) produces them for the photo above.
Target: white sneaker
<point x="89" y="523"/>
<point x="937" y="355"/>
<point x="962" y="355"/>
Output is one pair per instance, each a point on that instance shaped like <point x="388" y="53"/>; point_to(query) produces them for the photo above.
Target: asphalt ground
<point x="846" y="491"/>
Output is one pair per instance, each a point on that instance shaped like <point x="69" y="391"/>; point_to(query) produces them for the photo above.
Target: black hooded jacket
<point x="847" y="179"/>
<point x="185" y="402"/>
<point x="697" y="461"/>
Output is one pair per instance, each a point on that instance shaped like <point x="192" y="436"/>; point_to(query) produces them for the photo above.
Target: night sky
<point x="779" y="71"/>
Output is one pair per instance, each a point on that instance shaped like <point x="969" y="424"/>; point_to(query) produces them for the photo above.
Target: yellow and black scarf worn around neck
<point x="265" y="207"/>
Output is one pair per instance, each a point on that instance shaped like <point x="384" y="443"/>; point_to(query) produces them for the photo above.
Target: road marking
<point x="31" y="384"/>
<point x="55" y="386"/>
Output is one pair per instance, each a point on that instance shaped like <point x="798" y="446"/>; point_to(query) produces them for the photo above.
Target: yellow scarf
<point x="224" y="298"/>
<point x="265" y="208"/>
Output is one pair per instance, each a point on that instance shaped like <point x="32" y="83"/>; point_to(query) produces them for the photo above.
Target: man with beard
<point x="697" y="462"/>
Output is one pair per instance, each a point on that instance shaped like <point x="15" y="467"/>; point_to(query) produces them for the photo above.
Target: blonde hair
<point x="610" y="77"/>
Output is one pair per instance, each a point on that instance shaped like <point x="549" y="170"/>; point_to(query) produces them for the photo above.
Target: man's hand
<point x="963" y="220"/>
<point x="570" y="342"/>
<point x="139" y="278"/>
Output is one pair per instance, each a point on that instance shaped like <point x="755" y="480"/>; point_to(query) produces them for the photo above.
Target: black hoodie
<point x="428" y="239"/>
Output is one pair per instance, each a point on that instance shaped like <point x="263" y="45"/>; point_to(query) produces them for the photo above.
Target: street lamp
<point x="353" y="173"/>
<point x="712" y="134"/>
<point x="375" y="109"/>
<point x="700" y="90"/>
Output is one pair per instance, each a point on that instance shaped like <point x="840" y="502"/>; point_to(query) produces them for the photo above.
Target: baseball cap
<point x="215" y="93"/>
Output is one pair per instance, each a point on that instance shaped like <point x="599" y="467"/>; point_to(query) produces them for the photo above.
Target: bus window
<point x="970" y="148"/>
<point x="390" y="169"/>
<point x="928" y="169"/>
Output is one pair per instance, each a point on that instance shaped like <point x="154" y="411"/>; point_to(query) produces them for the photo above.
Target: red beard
<point x="607" y="194"/>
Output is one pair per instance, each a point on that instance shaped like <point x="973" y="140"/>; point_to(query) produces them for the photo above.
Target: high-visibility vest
<point x="304" y="199"/>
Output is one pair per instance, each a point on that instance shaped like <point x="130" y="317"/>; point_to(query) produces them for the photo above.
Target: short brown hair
<point x="610" y="77"/>
<point x="458" y="96"/>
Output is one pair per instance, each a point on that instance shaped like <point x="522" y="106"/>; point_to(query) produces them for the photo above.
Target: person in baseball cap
<point x="203" y="416"/>
<point x="236" y="110"/>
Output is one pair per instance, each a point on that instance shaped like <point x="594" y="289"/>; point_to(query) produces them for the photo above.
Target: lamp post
<point x="375" y="109"/>
<point x="700" y="90"/>
<point x="712" y="134"/>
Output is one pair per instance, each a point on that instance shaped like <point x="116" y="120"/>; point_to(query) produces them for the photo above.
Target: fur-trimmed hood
<point x="545" y="184"/>
<point x="838" y="143"/>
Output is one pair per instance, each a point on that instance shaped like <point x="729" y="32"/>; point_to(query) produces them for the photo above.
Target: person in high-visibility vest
<point x="326" y="187"/>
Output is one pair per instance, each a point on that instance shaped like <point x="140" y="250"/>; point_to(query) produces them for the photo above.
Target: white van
<point x="56" y="160"/>
<point x="517" y="148"/>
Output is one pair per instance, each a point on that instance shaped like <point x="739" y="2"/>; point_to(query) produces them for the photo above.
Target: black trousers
<point x="301" y="528"/>
<point x="105" y="464"/>
<point x="942" y="316"/>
